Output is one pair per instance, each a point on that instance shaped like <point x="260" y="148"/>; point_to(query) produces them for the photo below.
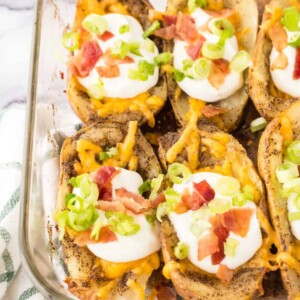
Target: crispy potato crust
<point x="79" y="99"/>
<point x="192" y="283"/>
<point x="79" y="260"/>
<point x="260" y="77"/>
<point x="270" y="155"/>
<point x="235" y="104"/>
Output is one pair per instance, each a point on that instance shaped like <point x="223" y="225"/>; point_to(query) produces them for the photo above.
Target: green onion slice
<point x="70" y="41"/>
<point x="163" y="58"/>
<point x="219" y="206"/>
<point x="295" y="197"/>
<point x="124" y="29"/>
<point x="109" y="153"/>
<point x="227" y="186"/>
<point x="239" y="200"/>
<point x="96" y="229"/>
<point x="290" y="20"/>
<point x="83" y="220"/>
<point x="240" y="61"/>
<point x="68" y="197"/>
<point x="178" y="173"/>
<point x="186" y="64"/>
<point x="154" y="26"/>
<point x="292" y="185"/>
<point x="148" y="45"/>
<point x="292" y="152"/>
<point x="172" y="196"/>
<point x="248" y="191"/>
<point x="75" y="204"/>
<point x="230" y="247"/>
<point x="96" y="91"/>
<point x="201" y="68"/>
<point x="151" y="218"/>
<point x="95" y="23"/>
<point x="61" y="219"/>
<point x="181" y="250"/>
<point x="294" y="40"/>
<point x="193" y="4"/>
<point x="178" y="75"/>
<point x="155" y="185"/>
<point x="201" y="214"/>
<point x="258" y="124"/>
<point x="294" y="216"/>
<point x="212" y="51"/>
<point x="145" y="186"/>
<point x="221" y="26"/>
<point x="286" y="172"/>
<point x="163" y="209"/>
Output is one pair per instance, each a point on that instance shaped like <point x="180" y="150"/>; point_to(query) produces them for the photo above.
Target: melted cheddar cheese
<point x="88" y="151"/>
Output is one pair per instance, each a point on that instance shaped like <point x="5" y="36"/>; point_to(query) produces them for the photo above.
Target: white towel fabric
<point x="14" y="284"/>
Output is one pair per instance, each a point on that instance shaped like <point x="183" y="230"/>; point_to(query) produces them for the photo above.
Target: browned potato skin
<point x="260" y="77"/>
<point x="235" y="103"/>
<point x="77" y="95"/>
<point x="193" y="283"/>
<point x="270" y="156"/>
<point x="80" y="261"/>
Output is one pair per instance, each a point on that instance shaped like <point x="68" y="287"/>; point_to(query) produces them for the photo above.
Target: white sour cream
<point x="202" y="89"/>
<point x="247" y="246"/>
<point x="283" y="79"/>
<point x="128" y="248"/>
<point x="122" y="86"/>
<point x="295" y="225"/>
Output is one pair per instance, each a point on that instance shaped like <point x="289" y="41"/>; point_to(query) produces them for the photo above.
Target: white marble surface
<point x="16" y="19"/>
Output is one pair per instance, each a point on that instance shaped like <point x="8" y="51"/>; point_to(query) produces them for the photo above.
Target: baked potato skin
<point x="77" y="95"/>
<point x="79" y="260"/>
<point x="192" y="283"/>
<point x="270" y="155"/>
<point x="235" y="103"/>
<point x="260" y="77"/>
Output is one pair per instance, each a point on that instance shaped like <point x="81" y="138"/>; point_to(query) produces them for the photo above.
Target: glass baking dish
<point x="50" y="120"/>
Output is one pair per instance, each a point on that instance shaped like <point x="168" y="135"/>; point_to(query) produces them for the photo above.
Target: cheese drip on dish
<point x="245" y="247"/>
<point x="283" y="78"/>
<point x="122" y="86"/>
<point x="131" y="247"/>
<point x="202" y="88"/>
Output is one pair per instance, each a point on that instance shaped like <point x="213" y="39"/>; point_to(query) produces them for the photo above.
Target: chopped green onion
<point x="181" y="251"/>
<point x="292" y="185"/>
<point x="163" y="209"/>
<point x="134" y="48"/>
<point x="292" y="152"/>
<point x="154" y="26"/>
<point x="103" y="156"/>
<point x="198" y="228"/>
<point x="61" y="219"/>
<point x="121" y="223"/>
<point x="146" y="67"/>
<point x="221" y="26"/>
<point x="120" y="49"/>
<point x="286" y="172"/>
<point x="95" y="23"/>
<point x="294" y="216"/>
<point x="96" y="91"/>
<point x="294" y="40"/>
<point x="75" y="204"/>
<point x="239" y="200"/>
<point x="124" y="28"/>
<point x="212" y="51"/>
<point x="290" y="20"/>
<point x="240" y="61"/>
<point x="193" y="4"/>
<point x="201" y="68"/>
<point x="258" y="124"/>
<point x="178" y="173"/>
<point x="163" y="58"/>
<point x="219" y="206"/>
<point x="68" y="197"/>
<point x="230" y="247"/>
<point x="83" y="220"/>
<point x="145" y="186"/>
<point x="155" y="185"/>
<point x="96" y="229"/>
<point x="151" y="219"/>
<point x="186" y="64"/>
<point x="70" y="41"/>
<point x="295" y="197"/>
<point x="201" y="214"/>
<point x="148" y="45"/>
<point x="73" y="181"/>
<point x="172" y="196"/>
<point x="227" y="186"/>
<point x="109" y="153"/>
<point x="178" y="75"/>
<point x="248" y="191"/>
<point x="136" y="75"/>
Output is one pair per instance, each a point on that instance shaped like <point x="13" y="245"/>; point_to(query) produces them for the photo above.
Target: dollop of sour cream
<point x="122" y="86"/>
<point x="295" y="225"/>
<point x="247" y="246"/>
<point x="128" y="248"/>
<point x="283" y="78"/>
<point x="202" y="89"/>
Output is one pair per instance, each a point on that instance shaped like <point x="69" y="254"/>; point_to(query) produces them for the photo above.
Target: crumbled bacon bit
<point x="108" y="71"/>
<point x="278" y="36"/>
<point x="205" y="190"/>
<point x="106" y="36"/>
<point x="210" y="111"/>
<point x="219" y="71"/>
<point x="296" y="74"/>
<point x="225" y="274"/>
<point x="194" y="49"/>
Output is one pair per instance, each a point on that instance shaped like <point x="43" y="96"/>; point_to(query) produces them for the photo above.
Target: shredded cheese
<point x="104" y="290"/>
<point x="215" y="4"/>
<point x="137" y="288"/>
<point x="286" y="129"/>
